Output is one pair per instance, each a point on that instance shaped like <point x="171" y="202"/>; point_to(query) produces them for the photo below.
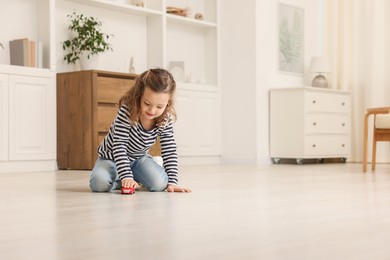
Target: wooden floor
<point x="310" y="211"/>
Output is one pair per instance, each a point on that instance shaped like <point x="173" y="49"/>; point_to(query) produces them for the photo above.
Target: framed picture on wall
<point x="291" y="39"/>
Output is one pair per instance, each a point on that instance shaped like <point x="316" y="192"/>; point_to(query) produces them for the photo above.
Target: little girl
<point x="146" y="112"/>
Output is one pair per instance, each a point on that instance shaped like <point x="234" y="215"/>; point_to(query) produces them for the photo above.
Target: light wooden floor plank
<point x="311" y="211"/>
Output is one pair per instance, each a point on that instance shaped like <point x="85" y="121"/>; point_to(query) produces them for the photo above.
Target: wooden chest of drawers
<point x="87" y="103"/>
<point x="309" y="123"/>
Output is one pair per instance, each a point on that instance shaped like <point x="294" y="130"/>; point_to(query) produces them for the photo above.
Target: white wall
<point x="238" y="80"/>
<point x="129" y="37"/>
<point x="249" y="51"/>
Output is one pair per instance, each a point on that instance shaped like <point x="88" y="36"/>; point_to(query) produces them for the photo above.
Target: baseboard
<point x="199" y="160"/>
<point x="28" y="166"/>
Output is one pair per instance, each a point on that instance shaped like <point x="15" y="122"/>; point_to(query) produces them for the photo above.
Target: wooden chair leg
<point x="373" y="152"/>
<point x="365" y="142"/>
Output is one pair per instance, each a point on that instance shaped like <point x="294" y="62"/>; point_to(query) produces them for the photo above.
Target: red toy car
<point x="127" y="191"/>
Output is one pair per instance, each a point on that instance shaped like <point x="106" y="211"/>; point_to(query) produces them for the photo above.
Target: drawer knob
<point x="314" y="101"/>
<point x="343" y="104"/>
<point x="343" y="145"/>
<point x="343" y="124"/>
<point x="314" y="146"/>
<point x="314" y="123"/>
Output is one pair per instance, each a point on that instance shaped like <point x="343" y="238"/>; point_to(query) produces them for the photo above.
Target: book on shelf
<point x="24" y="52"/>
<point x="33" y="54"/>
<point x="39" y="54"/>
<point x="18" y="52"/>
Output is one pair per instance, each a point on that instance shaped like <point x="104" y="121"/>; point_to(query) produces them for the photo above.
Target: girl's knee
<point x="158" y="184"/>
<point x="150" y="174"/>
<point x="98" y="183"/>
<point x="100" y="186"/>
<point x="102" y="176"/>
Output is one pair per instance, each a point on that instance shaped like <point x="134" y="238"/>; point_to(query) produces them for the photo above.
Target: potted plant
<point x="88" y="40"/>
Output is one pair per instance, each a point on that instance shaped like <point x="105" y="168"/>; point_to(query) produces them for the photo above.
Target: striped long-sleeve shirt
<point x="125" y="143"/>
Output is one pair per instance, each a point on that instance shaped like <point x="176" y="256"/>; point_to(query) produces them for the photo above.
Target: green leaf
<point x="88" y="37"/>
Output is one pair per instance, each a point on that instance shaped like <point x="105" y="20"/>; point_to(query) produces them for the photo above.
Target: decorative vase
<point x="131" y="66"/>
<point x="89" y="63"/>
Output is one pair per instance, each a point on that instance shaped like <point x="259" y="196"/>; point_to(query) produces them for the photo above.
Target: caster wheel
<point x="276" y="160"/>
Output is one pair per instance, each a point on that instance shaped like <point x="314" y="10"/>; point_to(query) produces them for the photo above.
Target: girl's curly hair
<point x="159" y="81"/>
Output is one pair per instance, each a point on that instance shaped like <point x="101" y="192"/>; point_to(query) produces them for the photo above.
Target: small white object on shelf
<point x="131" y="65"/>
<point x="198" y="16"/>
<point x="177" y="70"/>
<point x="178" y="74"/>
<point x="139" y="3"/>
<point x="201" y="81"/>
<point x="191" y="78"/>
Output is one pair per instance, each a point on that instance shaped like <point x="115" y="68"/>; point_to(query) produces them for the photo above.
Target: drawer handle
<point x="314" y="123"/>
<point x="343" y="124"/>
<point x="343" y="104"/>
<point x="343" y="145"/>
<point x="314" y="146"/>
<point x="314" y="102"/>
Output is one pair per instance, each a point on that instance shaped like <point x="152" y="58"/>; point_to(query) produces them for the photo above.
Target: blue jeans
<point x="104" y="175"/>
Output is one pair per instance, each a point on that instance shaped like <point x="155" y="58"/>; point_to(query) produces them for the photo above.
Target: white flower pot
<point x="89" y="64"/>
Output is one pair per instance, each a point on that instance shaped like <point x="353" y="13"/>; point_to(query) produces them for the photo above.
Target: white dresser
<point x="310" y="123"/>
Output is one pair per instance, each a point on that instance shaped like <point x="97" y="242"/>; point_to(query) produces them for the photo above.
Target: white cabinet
<point x="27" y="117"/>
<point x="309" y="123"/>
<point x="30" y="118"/>
<point x="198" y="126"/>
<point x="3" y="117"/>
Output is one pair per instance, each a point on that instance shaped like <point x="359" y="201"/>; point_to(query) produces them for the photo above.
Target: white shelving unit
<point x="27" y="111"/>
<point x="163" y="38"/>
<point x="171" y="37"/>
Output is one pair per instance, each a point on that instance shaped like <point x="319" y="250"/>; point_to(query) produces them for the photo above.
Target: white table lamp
<point x="319" y="65"/>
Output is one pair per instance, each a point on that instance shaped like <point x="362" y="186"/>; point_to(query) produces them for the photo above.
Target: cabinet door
<point x="197" y="129"/>
<point x="184" y="126"/>
<point x="31" y="124"/>
<point x="208" y="127"/>
<point x="3" y="117"/>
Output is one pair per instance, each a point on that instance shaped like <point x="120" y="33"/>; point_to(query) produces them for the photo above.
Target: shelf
<point x="127" y="8"/>
<point x="144" y="11"/>
<point x="27" y="71"/>
<point x="121" y="7"/>
<point x="190" y="21"/>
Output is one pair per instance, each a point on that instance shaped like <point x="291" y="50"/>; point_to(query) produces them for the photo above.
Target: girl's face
<point x="153" y="104"/>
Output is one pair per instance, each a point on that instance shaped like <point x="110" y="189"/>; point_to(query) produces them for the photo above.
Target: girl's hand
<point x="175" y="188"/>
<point x="129" y="183"/>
